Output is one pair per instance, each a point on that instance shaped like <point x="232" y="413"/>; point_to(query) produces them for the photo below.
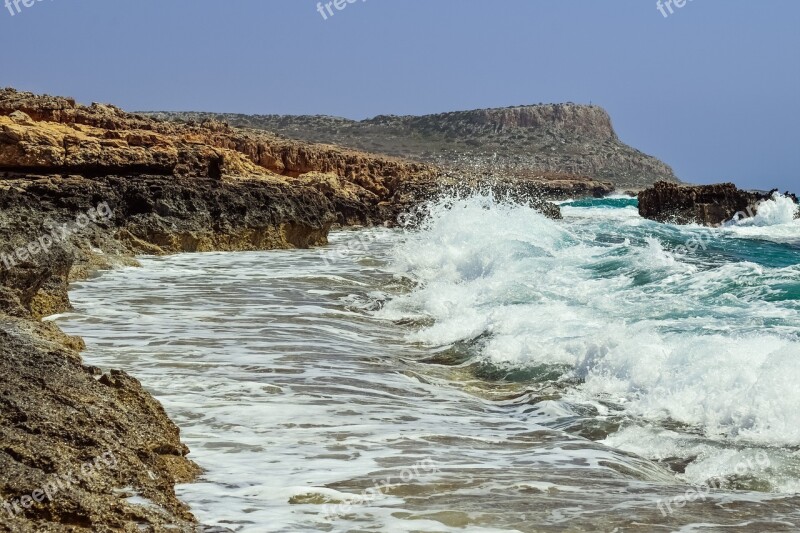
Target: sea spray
<point x="778" y="210"/>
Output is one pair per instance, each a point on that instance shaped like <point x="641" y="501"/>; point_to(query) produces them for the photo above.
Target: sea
<point x="484" y="370"/>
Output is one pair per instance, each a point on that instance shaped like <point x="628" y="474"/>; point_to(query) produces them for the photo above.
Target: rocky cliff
<point x="51" y="135"/>
<point x="517" y="141"/>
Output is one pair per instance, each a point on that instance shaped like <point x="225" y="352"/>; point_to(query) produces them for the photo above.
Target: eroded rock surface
<point x="56" y="417"/>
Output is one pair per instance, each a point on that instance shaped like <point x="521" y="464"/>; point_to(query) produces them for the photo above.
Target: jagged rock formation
<point x="513" y="142"/>
<point x="708" y="205"/>
<point x="56" y="417"/>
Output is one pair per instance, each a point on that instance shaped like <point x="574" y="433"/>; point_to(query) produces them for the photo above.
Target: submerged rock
<point x="708" y="205"/>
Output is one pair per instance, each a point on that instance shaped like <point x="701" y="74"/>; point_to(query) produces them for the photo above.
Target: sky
<point x="712" y="88"/>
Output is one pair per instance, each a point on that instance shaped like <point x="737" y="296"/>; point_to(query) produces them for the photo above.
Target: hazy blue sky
<point x="714" y="89"/>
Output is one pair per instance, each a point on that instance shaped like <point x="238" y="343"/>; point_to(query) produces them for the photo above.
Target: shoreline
<point x="167" y="189"/>
<point x="257" y="373"/>
<point x="163" y="188"/>
<point x="125" y="185"/>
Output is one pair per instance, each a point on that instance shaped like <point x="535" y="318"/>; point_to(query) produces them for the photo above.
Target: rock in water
<point x="709" y="205"/>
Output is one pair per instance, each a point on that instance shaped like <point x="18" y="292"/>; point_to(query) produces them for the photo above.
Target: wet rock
<point x="708" y="205"/>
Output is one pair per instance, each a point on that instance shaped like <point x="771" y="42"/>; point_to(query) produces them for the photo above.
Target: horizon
<point x="704" y="89"/>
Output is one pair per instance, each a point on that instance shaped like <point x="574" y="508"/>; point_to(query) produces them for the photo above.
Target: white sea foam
<point x="292" y="391"/>
<point x="292" y="396"/>
<point x="776" y="211"/>
<point x="711" y="346"/>
<point x="774" y="221"/>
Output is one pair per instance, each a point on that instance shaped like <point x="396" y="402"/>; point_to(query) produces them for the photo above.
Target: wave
<point x="775" y="221"/>
<point x="779" y="210"/>
<point x="703" y="341"/>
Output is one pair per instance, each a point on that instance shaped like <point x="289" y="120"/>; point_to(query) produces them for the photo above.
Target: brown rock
<point x="708" y="205"/>
<point x="55" y="417"/>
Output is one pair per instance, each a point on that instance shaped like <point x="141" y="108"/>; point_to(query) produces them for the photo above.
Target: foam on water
<point x="294" y="399"/>
<point x="774" y="221"/>
<point x="666" y="339"/>
<point x="777" y="211"/>
<point x="526" y="359"/>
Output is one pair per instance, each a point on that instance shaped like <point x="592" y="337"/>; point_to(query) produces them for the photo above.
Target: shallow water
<point x="492" y="371"/>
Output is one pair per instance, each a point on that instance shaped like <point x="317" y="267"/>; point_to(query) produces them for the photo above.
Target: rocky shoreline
<point x="84" y="188"/>
<point x="519" y="142"/>
<point x="87" y="188"/>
